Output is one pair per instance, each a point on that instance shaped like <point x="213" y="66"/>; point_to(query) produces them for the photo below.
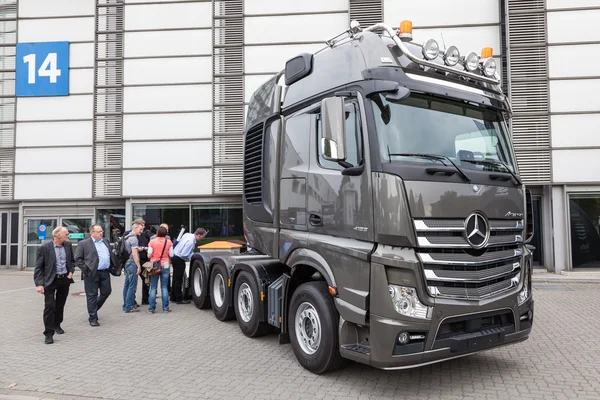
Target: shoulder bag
<point x="156" y="267"/>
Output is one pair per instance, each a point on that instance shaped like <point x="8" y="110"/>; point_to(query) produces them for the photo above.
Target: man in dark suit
<point x="93" y="258"/>
<point x="53" y="275"/>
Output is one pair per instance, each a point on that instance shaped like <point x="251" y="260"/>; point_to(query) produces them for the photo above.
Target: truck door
<point x="340" y="209"/>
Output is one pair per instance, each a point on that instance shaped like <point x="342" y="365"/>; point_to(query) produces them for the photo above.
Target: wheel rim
<point x="219" y="290"/>
<point x="198" y="282"/>
<point x="308" y="328"/>
<point x="245" y="302"/>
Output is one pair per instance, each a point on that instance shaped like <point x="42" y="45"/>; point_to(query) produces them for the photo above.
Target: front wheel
<point x="313" y="328"/>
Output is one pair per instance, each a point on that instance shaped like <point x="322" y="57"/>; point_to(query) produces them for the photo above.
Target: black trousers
<point x="145" y="290"/>
<point x="178" y="271"/>
<point x="101" y="281"/>
<point x="55" y="297"/>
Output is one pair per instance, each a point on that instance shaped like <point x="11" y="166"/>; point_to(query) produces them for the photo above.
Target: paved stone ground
<point x="188" y="354"/>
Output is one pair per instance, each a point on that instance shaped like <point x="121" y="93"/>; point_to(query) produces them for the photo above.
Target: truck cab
<point x="383" y="202"/>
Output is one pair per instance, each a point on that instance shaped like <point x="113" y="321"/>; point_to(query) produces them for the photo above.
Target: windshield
<point x="473" y="137"/>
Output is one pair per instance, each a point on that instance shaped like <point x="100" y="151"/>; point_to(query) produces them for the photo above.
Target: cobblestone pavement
<point x="188" y="354"/>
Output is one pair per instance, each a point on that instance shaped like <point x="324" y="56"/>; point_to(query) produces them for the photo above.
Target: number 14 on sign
<point x="49" y="67"/>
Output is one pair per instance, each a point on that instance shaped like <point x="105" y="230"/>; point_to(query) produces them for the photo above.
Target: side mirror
<point x="333" y="123"/>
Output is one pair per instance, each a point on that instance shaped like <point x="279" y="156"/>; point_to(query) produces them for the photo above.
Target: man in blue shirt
<point x="182" y="253"/>
<point x="93" y="258"/>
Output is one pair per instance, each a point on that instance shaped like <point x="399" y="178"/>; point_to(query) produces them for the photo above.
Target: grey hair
<point x="56" y="231"/>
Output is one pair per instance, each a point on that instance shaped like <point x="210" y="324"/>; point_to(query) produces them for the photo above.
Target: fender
<point x="313" y="259"/>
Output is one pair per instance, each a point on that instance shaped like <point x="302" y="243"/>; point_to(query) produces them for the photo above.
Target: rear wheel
<point x="313" y="328"/>
<point x="220" y="294"/>
<point x="199" y="286"/>
<point x="247" y="303"/>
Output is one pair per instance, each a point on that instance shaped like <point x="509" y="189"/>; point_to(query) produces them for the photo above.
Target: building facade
<point x="151" y="125"/>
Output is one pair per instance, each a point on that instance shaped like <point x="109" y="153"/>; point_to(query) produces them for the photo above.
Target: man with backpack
<point x="133" y="268"/>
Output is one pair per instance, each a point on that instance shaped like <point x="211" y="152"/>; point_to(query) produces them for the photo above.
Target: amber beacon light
<point x="405" y="32"/>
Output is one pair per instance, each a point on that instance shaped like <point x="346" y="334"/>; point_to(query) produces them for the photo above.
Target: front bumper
<point x="385" y="350"/>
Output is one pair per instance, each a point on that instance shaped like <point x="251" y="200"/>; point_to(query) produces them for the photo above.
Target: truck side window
<point x="353" y="139"/>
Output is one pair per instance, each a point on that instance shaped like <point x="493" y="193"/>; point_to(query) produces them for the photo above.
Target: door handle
<point x="315" y="220"/>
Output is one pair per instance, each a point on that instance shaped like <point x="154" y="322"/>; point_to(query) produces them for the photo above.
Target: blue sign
<point x="42" y="232"/>
<point x="42" y="69"/>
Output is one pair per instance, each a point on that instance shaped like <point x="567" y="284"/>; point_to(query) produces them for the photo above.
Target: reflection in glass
<point x="112" y="223"/>
<point x="223" y="222"/>
<point x="79" y="228"/>
<point x="585" y="232"/>
<point x="176" y="216"/>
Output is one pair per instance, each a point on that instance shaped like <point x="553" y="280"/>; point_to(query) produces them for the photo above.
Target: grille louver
<point x="253" y="162"/>
<point x="528" y="88"/>
<point x="366" y="12"/>
<point x="108" y="99"/>
<point x="8" y="38"/>
<point x="228" y="95"/>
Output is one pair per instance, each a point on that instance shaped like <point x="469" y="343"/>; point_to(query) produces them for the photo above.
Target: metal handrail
<point x="424" y="62"/>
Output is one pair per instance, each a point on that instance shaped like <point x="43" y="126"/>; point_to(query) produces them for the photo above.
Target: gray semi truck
<point x="385" y="218"/>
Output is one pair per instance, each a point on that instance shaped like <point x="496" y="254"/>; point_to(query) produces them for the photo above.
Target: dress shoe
<point x="49" y="339"/>
<point x="59" y="330"/>
<point x="94" y="323"/>
<point x="183" y="302"/>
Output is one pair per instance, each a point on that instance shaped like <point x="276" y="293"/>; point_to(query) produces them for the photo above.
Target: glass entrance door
<point x="39" y="231"/>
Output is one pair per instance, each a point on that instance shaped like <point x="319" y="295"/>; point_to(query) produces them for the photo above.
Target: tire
<point x="246" y="303"/>
<point x="312" y="309"/>
<point x="220" y="298"/>
<point x="199" y="286"/>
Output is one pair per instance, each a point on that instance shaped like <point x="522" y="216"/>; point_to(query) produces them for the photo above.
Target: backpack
<point x="120" y="249"/>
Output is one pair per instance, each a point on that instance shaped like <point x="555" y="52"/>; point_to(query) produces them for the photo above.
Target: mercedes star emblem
<point x="477" y="231"/>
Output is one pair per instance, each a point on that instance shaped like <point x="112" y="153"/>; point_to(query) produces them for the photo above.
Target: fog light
<point x="431" y="49"/>
<point x="403" y="338"/>
<point x="489" y="67"/>
<point x="471" y="62"/>
<point x="451" y="56"/>
<point x="406" y="302"/>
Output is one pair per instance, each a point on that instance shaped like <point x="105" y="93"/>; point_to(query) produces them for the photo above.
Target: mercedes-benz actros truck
<point x="383" y="210"/>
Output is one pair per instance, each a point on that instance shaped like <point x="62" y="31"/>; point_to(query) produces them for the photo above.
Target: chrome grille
<point x="454" y="269"/>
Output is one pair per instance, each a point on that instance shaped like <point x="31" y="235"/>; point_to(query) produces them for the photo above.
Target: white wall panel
<point x="52" y="186"/>
<point x="166" y="16"/>
<point x="273" y="58"/>
<point x="81" y="81"/>
<point x="188" y="182"/>
<point x="575" y="130"/>
<point x="561" y="60"/>
<point x="54" y="133"/>
<point x="81" y="55"/>
<point x="62" y="159"/>
<point x="553" y="4"/>
<point x="168" y="70"/>
<point x="59" y="29"/>
<point x="164" y="126"/>
<point x="168" y="98"/>
<point x="193" y="153"/>
<point x="576" y="165"/>
<point x="441" y="12"/>
<point x="56" y="8"/>
<point x="168" y="43"/>
<point x="293" y="6"/>
<point x="295" y="28"/>
<point x="53" y="108"/>
<point x="252" y="82"/>
<point x="578" y="95"/>
<point x="466" y="39"/>
<point x="573" y="26"/>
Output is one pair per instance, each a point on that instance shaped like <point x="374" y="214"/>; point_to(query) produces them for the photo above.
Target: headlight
<point x="451" y="56"/>
<point x="524" y="293"/>
<point x="406" y="302"/>
<point x="431" y="49"/>
<point x="471" y="62"/>
<point x="489" y="67"/>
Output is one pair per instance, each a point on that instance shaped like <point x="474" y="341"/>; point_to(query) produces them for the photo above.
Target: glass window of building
<point x="585" y="233"/>
<point x="176" y="216"/>
<point x="223" y="222"/>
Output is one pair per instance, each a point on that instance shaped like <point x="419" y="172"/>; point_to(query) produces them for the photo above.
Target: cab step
<point x="358" y="348"/>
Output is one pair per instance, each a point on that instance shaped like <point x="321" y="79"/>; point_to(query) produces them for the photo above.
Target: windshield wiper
<point x="433" y="157"/>
<point x="496" y="164"/>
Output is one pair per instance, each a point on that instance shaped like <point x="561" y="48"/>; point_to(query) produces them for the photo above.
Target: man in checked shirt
<point x="53" y="274"/>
